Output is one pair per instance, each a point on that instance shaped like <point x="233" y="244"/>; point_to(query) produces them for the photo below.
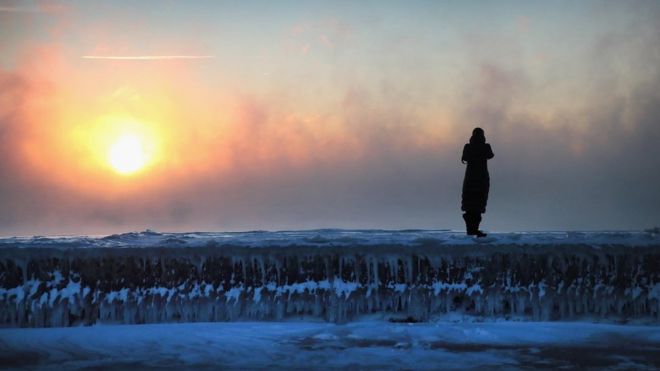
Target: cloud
<point x="379" y="149"/>
<point x="371" y="163"/>
<point x="571" y="155"/>
<point x="270" y="166"/>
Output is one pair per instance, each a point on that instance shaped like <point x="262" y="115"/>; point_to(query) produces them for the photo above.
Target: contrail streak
<point x="146" y="57"/>
<point x="15" y="9"/>
<point x="43" y="8"/>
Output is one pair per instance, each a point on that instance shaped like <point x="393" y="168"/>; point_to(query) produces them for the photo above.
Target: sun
<point x="127" y="154"/>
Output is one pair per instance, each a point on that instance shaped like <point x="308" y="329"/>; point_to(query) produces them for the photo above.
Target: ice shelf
<point x="334" y="275"/>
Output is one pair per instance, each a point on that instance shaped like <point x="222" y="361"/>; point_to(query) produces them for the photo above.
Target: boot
<point x="477" y="221"/>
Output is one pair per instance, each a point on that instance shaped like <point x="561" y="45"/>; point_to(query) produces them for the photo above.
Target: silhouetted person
<point x="476" y="182"/>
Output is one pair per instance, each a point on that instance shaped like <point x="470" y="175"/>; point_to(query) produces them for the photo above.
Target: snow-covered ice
<point x="331" y="298"/>
<point x="366" y="344"/>
<point x="333" y="275"/>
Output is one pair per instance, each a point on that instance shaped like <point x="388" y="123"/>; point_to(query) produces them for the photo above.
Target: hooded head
<point x="478" y="136"/>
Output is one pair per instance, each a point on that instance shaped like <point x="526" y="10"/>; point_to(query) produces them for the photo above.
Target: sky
<point x="269" y="115"/>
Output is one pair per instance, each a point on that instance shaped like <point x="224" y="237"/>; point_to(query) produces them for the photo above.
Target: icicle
<point x="567" y="283"/>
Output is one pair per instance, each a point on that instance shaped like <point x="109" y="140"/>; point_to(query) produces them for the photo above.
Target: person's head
<point x="478" y="136"/>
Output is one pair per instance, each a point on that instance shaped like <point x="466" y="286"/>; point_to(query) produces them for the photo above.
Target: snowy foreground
<point x="331" y="275"/>
<point x="365" y="299"/>
<point x="365" y="344"/>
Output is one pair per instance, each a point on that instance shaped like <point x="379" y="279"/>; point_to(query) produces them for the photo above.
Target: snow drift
<point x="335" y="275"/>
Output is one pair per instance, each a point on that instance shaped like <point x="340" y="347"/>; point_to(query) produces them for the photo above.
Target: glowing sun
<point x="127" y="154"/>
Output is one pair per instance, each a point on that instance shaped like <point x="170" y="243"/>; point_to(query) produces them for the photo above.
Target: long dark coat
<point x="477" y="180"/>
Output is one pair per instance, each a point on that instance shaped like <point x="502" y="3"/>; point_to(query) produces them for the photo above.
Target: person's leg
<point x="470" y="225"/>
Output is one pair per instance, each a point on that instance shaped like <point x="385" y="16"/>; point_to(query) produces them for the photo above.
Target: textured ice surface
<point x="367" y="344"/>
<point x="333" y="275"/>
<point x="335" y="237"/>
